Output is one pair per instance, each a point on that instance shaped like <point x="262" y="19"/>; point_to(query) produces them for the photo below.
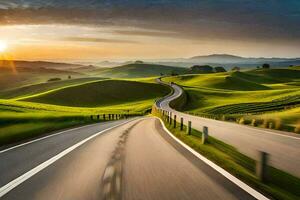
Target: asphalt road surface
<point x="284" y="148"/>
<point x="135" y="160"/>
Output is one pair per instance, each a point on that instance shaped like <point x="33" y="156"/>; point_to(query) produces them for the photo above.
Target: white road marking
<point x="14" y="183"/>
<point x="45" y="137"/>
<point x="48" y="136"/>
<point x="230" y="177"/>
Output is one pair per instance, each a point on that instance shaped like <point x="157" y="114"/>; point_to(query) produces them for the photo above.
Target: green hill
<point x="102" y="93"/>
<point x="42" y="87"/>
<point x="68" y="105"/>
<point x="224" y="81"/>
<point x="140" y="70"/>
<point x="270" y="93"/>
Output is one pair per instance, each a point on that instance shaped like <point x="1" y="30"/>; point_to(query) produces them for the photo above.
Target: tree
<point x="173" y="73"/>
<point x="201" y="69"/>
<point x="266" y="66"/>
<point x="220" y="69"/>
<point x="235" y="69"/>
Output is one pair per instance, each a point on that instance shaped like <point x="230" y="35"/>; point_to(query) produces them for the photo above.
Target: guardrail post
<point x="109" y="116"/>
<point x="189" y="128"/>
<point x="174" y="121"/>
<point x="181" y="123"/>
<point x="204" y="134"/>
<point x="98" y="117"/>
<point x="170" y="122"/>
<point x="262" y="167"/>
<point x="104" y="117"/>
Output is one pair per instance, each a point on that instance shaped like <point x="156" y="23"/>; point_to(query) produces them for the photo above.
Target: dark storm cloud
<point x="251" y="20"/>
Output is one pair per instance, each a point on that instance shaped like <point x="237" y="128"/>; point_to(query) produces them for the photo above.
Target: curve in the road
<point x="284" y="149"/>
<point x="138" y="159"/>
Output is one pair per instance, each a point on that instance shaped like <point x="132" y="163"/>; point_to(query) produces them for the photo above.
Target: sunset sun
<point x="3" y="46"/>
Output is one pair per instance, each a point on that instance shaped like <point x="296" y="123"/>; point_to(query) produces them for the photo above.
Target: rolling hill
<point x="101" y="93"/>
<point x="139" y="70"/>
<point x="39" y="64"/>
<point x="260" y="94"/>
<point x="43" y="108"/>
<point x="13" y="77"/>
<point x="43" y="87"/>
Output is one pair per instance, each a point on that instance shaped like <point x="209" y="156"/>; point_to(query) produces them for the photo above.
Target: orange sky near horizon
<point x="78" y="42"/>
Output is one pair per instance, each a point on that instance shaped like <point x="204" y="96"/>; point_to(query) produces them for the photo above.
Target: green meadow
<point x="43" y="108"/>
<point x="270" y="97"/>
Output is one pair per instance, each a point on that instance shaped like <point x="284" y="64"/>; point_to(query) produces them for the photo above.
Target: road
<point x="135" y="160"/>
<point x="284" y="149"/>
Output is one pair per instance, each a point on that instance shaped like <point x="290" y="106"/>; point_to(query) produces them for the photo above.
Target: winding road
<point x="284" y="148"/>
<point x="126" y="159"/>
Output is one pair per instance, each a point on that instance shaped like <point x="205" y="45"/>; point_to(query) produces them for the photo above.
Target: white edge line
<point x="48" y="136"/>
<point x="230" y="177"/>
<point x="14" y="183"/>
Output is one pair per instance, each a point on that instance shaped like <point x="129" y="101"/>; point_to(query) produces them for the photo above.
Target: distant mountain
<point x="227" y="58"/>
<point x="218" y="58"/>
<point x="228" y="61"/>
<point x="39" y="64"/>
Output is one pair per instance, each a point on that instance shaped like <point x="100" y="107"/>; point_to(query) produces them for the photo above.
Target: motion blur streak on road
<point x="284" y="149"/>
<point x="137" y="160"/>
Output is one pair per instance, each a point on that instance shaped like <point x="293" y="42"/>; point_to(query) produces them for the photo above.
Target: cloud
<point x="97" y="40"/>
<point x="248" y="20"/>
<point x="146" y="33"/>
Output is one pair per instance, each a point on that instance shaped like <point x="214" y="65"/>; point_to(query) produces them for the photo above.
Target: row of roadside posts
<point x="263" y="157"/>
<point x="172" y="119"/>
<point x="109" y="117"/>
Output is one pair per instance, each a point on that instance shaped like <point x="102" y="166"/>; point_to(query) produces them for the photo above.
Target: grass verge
<point x="281" y="185"/>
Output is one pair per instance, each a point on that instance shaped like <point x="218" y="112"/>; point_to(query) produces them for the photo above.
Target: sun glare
<point x="3" y="46"/>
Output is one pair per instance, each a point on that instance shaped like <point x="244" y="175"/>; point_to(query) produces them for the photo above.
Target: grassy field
<point x="270" y="95"/>
<point x="28" y="116"/>
<point x="101" y="93"/>
<point x="43" y="87"/>
<point x="280" y="185"/>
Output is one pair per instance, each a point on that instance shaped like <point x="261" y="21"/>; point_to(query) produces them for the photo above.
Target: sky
<point x="148" y="29"/>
